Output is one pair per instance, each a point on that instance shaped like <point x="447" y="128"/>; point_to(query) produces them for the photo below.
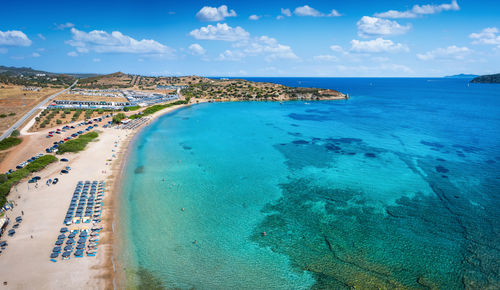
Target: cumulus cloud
<point x="419" y="10"/>
<point x="64" y="25"/>
<point x="326" y="57"/>
<point x="488" y="35"/>
<point x="267" y="46"/>
<point x="286" y="12"/>
<point x="377" y="45"/>
<point x="307" y="10"/>
<point x="231" y="55"/>
<point x="72" y="53"/>
<point x="196" y="49"/>
<point x="14" y="38"/>
<point x="373" y="26"/>
<point x="41" y="36"/>
<point x="450" y="52"/>
<point x="336" y="48"/>
<point x="115" y="42"/>
<point x="220" y="32"/>
<point x="254" y="17"/>
<point x="208" y="13"/>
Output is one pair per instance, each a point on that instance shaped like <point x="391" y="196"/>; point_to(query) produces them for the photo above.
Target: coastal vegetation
<point x="155" y="108"/>
<point x="78" y="144"/>
<point x="7" y="181"/>
<point x="9" y="142"/>
<point x="494" y="79"/>
<point x="118" y="118"/>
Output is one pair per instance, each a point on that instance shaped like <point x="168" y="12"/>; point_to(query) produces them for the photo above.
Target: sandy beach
<point x="25" y="263"/>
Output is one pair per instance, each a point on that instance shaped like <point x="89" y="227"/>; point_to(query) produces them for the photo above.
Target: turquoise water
<point x="396" y="187"/>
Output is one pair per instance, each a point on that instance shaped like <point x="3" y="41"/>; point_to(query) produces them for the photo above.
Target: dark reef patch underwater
<point x="438" y="241"/>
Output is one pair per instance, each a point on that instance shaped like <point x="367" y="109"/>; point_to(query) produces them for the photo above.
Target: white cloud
<point x="450" y="52"/>
<point x="208" y="13"/>
<point x="41" y="36"/>
<point x="64" y="25"/>
<point x="286" y="12"/>
<point x="336" y="48"/>
<point x="307" y="10"/>
<point x="326" y="57"/>
<point x="419" y="10"/>
<point x="115" y="42"/>
<point x="14" y="38"/>
<point x="231" y="55"/>
<point x="377" y="45"/>
<point x="72" y="53"/>
<point x="268" y="46"/>
<point x="488" y="35"/>
<point x="35" y="54"/>
<point x="3" y="50"/>
<point x="373" y="26"/>
<point x="254" y="17"/>
<point x="220" y="32"/>
<point x="96" y="59"/>
<point x="196" y="49"/>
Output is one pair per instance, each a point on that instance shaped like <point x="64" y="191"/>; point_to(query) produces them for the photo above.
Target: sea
<point x="397" y="187"/>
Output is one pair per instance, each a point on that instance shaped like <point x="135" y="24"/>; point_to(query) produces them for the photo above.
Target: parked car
<point x="64" y="171"/>
<point x="63" y="160"/>
<point x="55" y="181"/>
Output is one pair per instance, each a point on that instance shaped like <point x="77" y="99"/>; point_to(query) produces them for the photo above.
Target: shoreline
<point x="103" y="271"/>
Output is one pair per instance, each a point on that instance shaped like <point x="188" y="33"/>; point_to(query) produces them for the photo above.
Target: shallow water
<point x="396" y="187"/>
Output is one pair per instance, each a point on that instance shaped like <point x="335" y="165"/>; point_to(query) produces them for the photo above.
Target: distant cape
<point x="462" y="76"/>
<point x="493" y="79"/>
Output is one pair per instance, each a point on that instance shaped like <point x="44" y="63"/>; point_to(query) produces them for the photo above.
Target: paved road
<point x="31" y="112"/>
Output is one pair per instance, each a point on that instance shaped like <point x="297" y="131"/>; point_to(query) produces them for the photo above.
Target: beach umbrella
<point x="68" y="248"/>
<point x="63" y="230"/>
<point x="66" y="254"/>
<point x="70" y="241"/>
<point x="61" y="237"/>
<point x="54" y="255"/>
<point x="56" y="249"/>
<point x="59" y="242"/>
<point x="83" y="234"/>
<point x="11" y="232"/>
<point x="72" y="235"/>
<point x="3" y="244"/>
<point x="81" y="246"/>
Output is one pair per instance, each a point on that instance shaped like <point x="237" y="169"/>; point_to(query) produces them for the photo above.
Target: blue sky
<point x="254" y="38"/>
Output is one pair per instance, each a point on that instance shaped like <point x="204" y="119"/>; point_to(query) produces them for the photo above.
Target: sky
<point x="423" y="38"/>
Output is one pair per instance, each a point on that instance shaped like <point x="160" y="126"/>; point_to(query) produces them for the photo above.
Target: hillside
<point x="493" y="79"/>
<point x="213" y="89"/>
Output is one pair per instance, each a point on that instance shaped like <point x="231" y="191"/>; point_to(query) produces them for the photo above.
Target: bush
<point x="77" y="144"/>
<point x="58" y="122"/>
<point x="3" y="115"/>
<point x="12" y="114"/>
<point x="16" y="176"/>
<point x="118" y="118"/>
<point x="15" y="133"/>
<point x="9" y="142"/>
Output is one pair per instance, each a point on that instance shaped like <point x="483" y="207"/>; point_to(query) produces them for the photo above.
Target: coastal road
<point x="31" y="112"/>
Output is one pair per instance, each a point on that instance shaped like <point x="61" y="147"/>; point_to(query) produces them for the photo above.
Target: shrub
<point x="3" y="115"/>
<point x="9" y="142"/>
<point x="15" y="133"/>
<point x="118" y="118"/>
<point x="58" y="122"/>
<point x="12" y="114"/>
<point x="16" y="176"/>
<point x="77" y="144"/>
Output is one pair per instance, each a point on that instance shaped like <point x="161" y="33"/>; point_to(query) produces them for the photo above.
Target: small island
<point x="487" y="79"/>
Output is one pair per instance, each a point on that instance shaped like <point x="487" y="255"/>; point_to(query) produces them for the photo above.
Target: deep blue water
<point x="396" y="187"/>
